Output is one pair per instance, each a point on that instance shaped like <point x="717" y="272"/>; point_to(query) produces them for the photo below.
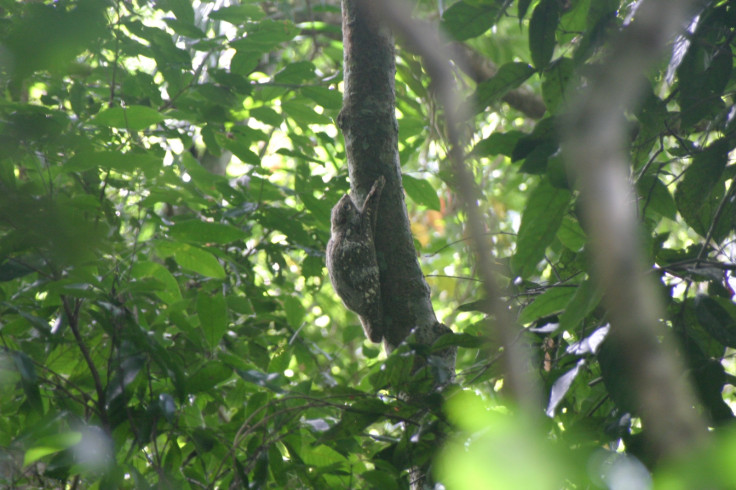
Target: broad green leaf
<point x="498" y="144"/>
<point x="206" y="232"/>
<point x="327" y="98"/>
<point x="295" y="73"/>
<point x="244" y="62"/>
<point x="208" y="376"/>
<point x="380" y="479"/>
<point x="185" y="29"/>
<point x="321" y="456"/>
<point x="357" y="417"/>
<point x="536" y="161"/>
<point x="125" y="163"/>
<point x="241" y="148"/>
<point x="654" y="194"/>
<point x="716" y="320"/>
<point x="50" y="445"/>
<point x="294" y="311"/>
<point x="202" y="178"/>
<point x="508" y="77"/>
<point x="303" y="114"/>
<point x="571" y="234"/>
<point x="182" y="9"/>
<point x="421" y="192"/>
<point x="265" y="35"/>
<point x="586" y="298"/>
<point x="462" y="20"/>
<point x="703" y="78"/>
<point x="544" y="134"/>
<point x="699" y="180"/>
<point x="238" y="14"/>
<point x="212" y="313"/>
<point x="134" y="118"/>
<point x="267" y="116"/>
<point x="25" y="366"/>
<point x="12" y="269"/>
<point x="553" y="300"/>
<point x="557" y="84"/>
<point x="458" y="339"/>
<point x="542" y="27"/>
<point x="540" y="221"/>
<point x="199" y="261"/>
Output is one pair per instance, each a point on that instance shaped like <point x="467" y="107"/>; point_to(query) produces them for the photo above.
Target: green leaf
<point x="199" y="261"/>
<point x="267" y="115"/>
<point x="295" y="73"/>
<point x="212" y="313"/>
<point x="238" y="14"/>
<point x="542" y="27"/>
<point x="50" y="445"/>
<point x="716" y="320"/>
<point x="586" y="298"/>
<point x="498" y="144"/>
<point x="421" y="192"/>
<point x="463" y="21"/>
<point x="265" y="35"/>
<point x="553" y="300"/>
<point x="303" y="114"/>
<point x="703" y="78"/>
<point x="540" y="221"/>
<point x="557" y="84"/>
<point x="208" y="376"/>
<point x="124" y="163"/>
<point x="170" y="292"/>
<point x="294" y="311"/>
<point x="458" y="339"/>
<point x="655" y="195"/>
<point x="13" y="269"/>
<point x="536" y="161"/>
<point x="134" y="118"/>
<point x="571" y="234"/>
<point x="206" y="232"/>
<point x="185" y="29"/>
<point x="508" y="77"/>
<point x="327" y="98"/>
<point x="700" y="179"/>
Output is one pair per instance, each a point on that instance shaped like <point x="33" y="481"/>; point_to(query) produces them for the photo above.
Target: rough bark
<point x="370" y="128"/>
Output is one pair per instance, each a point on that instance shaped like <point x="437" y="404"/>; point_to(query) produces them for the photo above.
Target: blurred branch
<point x="594" y="148"/>
<point x="436" y="56"/>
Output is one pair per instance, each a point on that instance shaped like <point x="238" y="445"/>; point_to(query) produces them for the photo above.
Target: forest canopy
<point x="167" y="174"/>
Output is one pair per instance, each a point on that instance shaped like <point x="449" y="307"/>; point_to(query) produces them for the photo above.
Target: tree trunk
<point x="369" y="125"/>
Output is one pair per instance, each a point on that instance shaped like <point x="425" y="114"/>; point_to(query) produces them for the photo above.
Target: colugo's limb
<point x="351" y="259"/>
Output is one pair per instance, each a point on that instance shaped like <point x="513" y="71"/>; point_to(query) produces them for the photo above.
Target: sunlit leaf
<point x="421" y="192"/>
<point x="542" y="218"/>
<point x="134" y="118"/>
<point x="212" y="312"/>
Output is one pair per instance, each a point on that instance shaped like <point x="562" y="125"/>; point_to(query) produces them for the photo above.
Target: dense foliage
<point x="167" y="171"/>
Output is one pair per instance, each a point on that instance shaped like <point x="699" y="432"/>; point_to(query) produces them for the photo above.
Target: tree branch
<point x="595" y="136"/>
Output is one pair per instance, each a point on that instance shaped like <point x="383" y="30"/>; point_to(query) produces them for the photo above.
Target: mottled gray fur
<point x="351" y="259"/>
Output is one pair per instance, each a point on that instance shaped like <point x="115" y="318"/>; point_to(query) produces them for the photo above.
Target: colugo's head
<point x="345" y="215"/>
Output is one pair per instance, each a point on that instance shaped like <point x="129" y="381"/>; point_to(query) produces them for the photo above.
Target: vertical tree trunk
<point x="369" y="125"/>
<point x="371" y="131"/>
